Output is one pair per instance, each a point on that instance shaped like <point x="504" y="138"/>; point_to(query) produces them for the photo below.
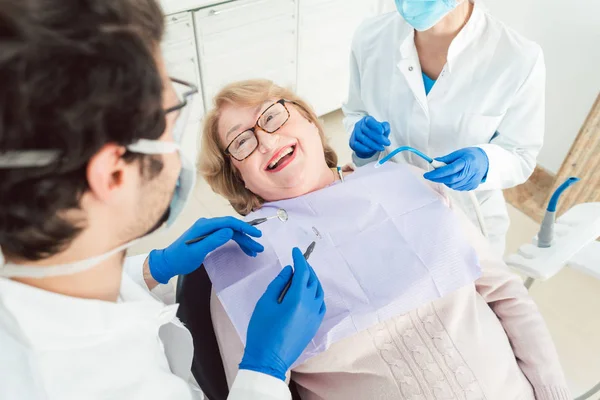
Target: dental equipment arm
<point x="546" y="233"/>
<point x="568" y="240"/>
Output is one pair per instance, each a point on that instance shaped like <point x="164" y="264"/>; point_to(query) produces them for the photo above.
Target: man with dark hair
<point x="90" y="161"/>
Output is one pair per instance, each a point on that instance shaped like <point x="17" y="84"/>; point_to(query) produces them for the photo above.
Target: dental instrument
<point x="281" y="214"/>
<point x="307" y="254"/>
<point x="437" y="164"/>
<point x="317" y="233"/>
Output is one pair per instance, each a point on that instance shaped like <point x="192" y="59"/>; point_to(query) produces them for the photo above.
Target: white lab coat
<point x="494" y="81"/>
<point x="59" y="347"/>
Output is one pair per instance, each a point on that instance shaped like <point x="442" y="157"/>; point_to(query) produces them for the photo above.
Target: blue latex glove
<point x="467" y="168"/>
<point x="181" y="259"/>
<point x="279" y="333"/>
<point x="369" y="137"/>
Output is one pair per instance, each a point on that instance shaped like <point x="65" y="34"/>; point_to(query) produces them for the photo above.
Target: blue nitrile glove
<point x="279" y="333"/>
<point x="369" y="137"/>
<point x="181" y="259"/>
<point x="467" y="168"/>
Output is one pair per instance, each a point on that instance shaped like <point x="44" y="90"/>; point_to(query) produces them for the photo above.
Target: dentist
<point x="91" y="160"/>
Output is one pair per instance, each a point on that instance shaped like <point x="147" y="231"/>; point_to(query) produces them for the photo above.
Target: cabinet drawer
<point x="239" y="14"/>
<point x="256" y="38"/>
<point x="179" y="52"/>
<point x="247" y="39"/>
<point x="283" y="76"/>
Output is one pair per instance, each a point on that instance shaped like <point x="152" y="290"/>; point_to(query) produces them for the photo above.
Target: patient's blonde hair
<point x="217" y="168"/>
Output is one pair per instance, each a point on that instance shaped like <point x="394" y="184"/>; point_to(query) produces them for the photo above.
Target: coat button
<point x="410" y="68"/>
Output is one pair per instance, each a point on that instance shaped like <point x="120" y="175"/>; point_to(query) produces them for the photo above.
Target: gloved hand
<point x="369" y="137"/>
<point x="279" y="333"/>
<point x="181" y="259"/>
<point x="467" y="168"/>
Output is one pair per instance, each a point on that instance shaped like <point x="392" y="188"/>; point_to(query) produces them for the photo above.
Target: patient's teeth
<point x="283" y="154"/>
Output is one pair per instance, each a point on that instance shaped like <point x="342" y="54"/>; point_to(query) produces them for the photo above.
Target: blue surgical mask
<point x="424" y="14"/>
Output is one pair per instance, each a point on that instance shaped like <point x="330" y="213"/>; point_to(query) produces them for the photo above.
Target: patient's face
<point x="264" y="172"/>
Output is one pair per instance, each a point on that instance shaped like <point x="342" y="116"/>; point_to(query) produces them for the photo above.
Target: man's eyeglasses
<point x="185" y="92"/>
<point x="270" y="121"/>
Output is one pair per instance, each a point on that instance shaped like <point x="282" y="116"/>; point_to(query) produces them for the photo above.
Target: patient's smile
<point x="281" y="159"/>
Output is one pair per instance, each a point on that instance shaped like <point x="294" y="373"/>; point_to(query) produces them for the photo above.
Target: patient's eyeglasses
<point x="270" y="121"/>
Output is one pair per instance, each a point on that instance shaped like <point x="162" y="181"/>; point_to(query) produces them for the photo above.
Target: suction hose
<point x="546" y="233"/>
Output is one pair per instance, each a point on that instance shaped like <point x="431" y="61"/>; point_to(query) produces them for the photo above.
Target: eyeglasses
<point x="185" y="92"/>
<point x="270" y="121"/>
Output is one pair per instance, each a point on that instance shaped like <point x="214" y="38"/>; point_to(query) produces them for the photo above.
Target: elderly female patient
<point x="486" y="340"/>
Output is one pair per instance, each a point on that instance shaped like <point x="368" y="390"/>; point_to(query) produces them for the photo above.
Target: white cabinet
<point x="179" y="50"/>
<point x="326" y="28"/>
<point x="175" y="6"/>
<point x="300" y="44"/>
<point x="247" y="39"/>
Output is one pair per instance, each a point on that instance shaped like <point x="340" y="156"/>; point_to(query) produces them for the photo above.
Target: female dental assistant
<point x="447" y="78"/>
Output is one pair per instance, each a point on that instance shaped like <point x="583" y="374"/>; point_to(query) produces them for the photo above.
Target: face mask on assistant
<point x="424" y="14"/>
<point x="183" y="189"/>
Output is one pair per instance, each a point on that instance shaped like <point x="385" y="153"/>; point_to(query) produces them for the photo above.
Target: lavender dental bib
<point x="388" y="244"/>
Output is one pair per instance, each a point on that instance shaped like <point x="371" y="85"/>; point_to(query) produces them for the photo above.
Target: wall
<point x="569" y="33"/>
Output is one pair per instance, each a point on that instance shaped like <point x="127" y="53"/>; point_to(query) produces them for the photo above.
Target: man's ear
<point x="106" y="172"/>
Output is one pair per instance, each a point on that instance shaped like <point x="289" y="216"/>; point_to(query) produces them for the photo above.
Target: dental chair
<point x="193" y="296"/>
<point x="569" y="240"/>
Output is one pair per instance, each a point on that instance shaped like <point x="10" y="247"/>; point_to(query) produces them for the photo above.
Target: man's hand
<point x="181" y="258"/>
<point x="279" y="333"/>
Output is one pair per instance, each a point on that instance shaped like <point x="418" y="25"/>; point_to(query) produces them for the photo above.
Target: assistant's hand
<point x="279" y="333"/>
<point x="369" y="137"/>
<point x="181" y="259"/>
<point x="467" y="168"/>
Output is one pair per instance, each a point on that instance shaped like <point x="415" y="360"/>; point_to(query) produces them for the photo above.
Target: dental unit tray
<point x="574" y="244"/>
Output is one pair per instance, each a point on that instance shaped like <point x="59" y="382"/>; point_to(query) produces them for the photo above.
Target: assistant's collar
<point x="470" y="32"/>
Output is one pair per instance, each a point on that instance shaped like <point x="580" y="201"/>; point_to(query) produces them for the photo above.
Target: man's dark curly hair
<point x="74" y="76"/>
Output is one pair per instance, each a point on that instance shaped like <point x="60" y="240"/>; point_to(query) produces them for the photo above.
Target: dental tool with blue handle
<point x="546" y="233"/>
<point x="434" y="163"/>
<point x="437" y="164"/>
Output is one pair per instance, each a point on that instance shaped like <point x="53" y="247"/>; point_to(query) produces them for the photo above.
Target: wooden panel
<point x="583" y="161"/>
<point x="531" y="197"/>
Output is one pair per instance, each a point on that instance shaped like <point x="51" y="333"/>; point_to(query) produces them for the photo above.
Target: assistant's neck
<point x="448" y="28"/>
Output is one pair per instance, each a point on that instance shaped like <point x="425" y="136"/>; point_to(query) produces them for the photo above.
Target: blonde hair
<point x="216" y="167"/>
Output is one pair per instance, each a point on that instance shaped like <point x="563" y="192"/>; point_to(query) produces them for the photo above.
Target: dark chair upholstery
<point x="193" y="296"/>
